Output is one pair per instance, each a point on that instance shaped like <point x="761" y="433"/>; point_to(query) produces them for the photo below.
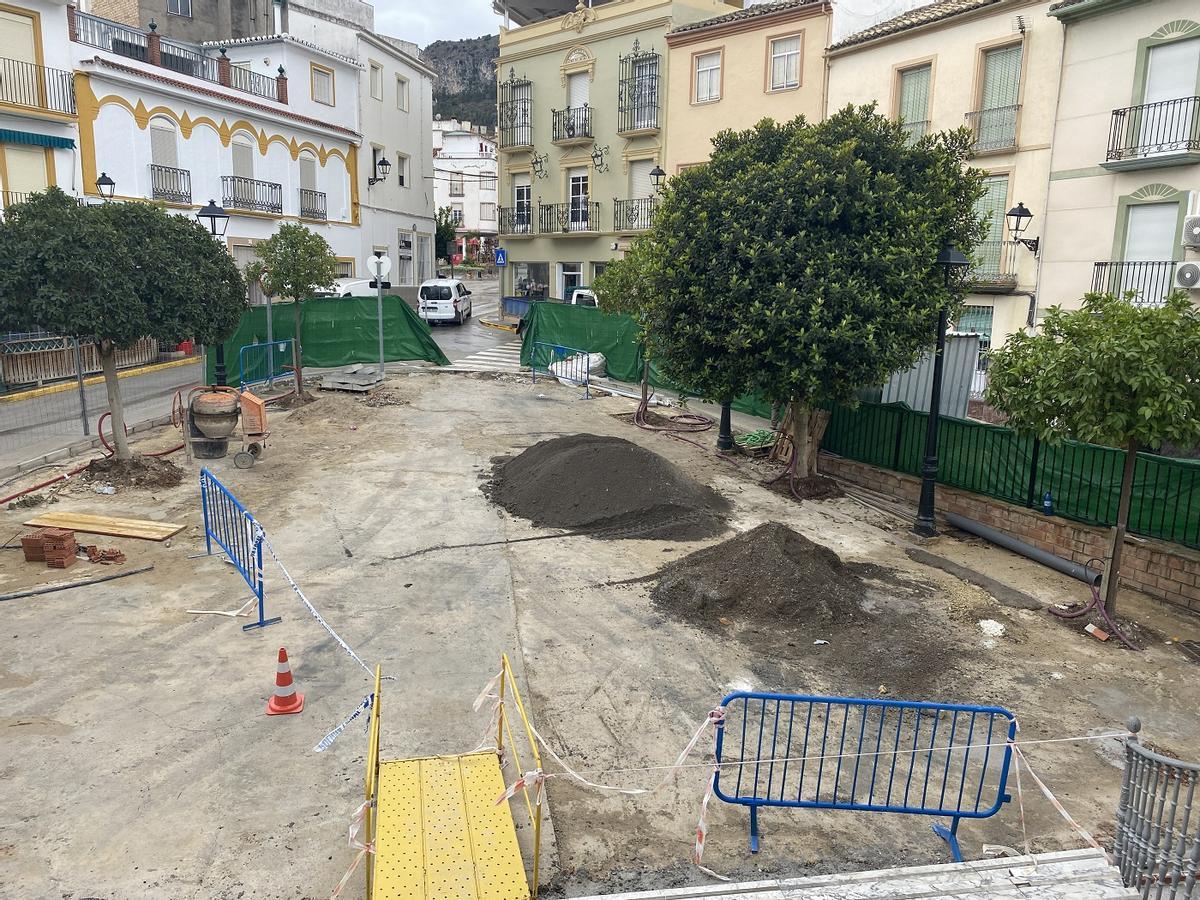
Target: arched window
<point x="243" y="155"/>
<point x="164" y="148"/>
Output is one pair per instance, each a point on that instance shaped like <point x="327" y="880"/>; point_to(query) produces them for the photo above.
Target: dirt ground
<point x="136" y="761"/>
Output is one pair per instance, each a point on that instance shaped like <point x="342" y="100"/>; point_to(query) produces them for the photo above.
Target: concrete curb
<point x="97" y="379"/>
<point x="78" y="448"/>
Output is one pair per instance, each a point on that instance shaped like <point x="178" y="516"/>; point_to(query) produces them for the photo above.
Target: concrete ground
<point x="135" y="759"/>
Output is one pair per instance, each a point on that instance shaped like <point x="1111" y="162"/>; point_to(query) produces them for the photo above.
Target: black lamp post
<point x="951" y="260"/>
<point x="105" y="186"/>
<point x="658" y="178"/>
<point x="216" y="220"/>
<point x="1018" y="220"/>
<point x="725" y="435"/>
<point x="382" y="168"/>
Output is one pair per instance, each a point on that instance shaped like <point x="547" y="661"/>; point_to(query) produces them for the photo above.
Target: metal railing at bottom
<point x="1157" y="844"/>
<point x="568" y="365"/>
<point x="264" y="362"/>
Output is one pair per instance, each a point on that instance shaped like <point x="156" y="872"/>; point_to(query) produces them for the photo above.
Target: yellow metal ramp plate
<point x="440" y="835"/>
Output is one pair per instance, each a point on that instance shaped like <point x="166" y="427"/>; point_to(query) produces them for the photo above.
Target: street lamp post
<point x="382" y="168"/>
<point x="950" y="259"/>
<point x="216" y="220"/>
<point x="725" y="435"/>
<point x="105" y="186"/>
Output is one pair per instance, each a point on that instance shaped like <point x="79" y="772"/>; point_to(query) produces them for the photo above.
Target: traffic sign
<point x="379" y="266"/>
<point x="501" y="257"/>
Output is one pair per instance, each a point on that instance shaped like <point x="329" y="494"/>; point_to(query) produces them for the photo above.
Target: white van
<point x="444" y="300"/>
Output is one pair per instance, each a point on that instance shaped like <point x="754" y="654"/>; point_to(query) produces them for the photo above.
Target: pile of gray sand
<point x="607" y="486"/>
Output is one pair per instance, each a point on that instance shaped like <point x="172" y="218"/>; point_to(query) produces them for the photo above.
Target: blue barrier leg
<point x="753" y="829"/>
<point x="262" y="622"/>
<point x="204" y="504"/>
<point x="950" y="836"/>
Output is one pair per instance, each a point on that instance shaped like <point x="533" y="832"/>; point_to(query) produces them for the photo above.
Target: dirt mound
<point x="608" y="485"/>
<point x="770" y="575"/>
<point x="141" y="471"/>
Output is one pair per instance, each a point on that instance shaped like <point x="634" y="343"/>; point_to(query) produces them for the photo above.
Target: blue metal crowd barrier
<point x="236" y="532"/>
<point x="934" y="759"/>
<point x="568" y="364"/>
<point x="263" y="362"/>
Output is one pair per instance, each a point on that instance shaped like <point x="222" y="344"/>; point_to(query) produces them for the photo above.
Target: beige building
<point x="582" y="110"/>
<point x="992" y="65"/>
<point x="1125" y="169"/>
<point x="732" y="71"/>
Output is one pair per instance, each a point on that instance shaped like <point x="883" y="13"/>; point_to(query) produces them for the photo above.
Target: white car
<point x="444" y="300"/>
<point x="349" y="287"/>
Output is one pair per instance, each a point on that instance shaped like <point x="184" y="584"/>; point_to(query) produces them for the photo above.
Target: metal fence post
<point x="83" y="410"/>
<point x="1031" y="497"/>
<point x="900" y="418"/>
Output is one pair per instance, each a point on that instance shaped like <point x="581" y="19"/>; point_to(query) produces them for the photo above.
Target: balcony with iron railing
<point x="994" y="268"/>
<point x="1150" y="135"/>
<point x="9" y="198"/>
<point x="1145" y="282"/>
<point x="637" y="92"/>
<point x="514" y="112"/>
<point x="995" y="129"/>
<point x="313" y="205"/>
<point x="170" y="184"/>
<point x="253" y="83"/>
<point x="251" y="194"/>
<point x="35" y="87"/>
<point x="633" y="215"/>
<point x="572" y="125"/>
<point x="569" y="218"/>
<point x="515" y="220"/>
<point x="914" y="131"/>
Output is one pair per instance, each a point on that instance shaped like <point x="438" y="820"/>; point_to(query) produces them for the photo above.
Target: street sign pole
<point x="379" y="266"/>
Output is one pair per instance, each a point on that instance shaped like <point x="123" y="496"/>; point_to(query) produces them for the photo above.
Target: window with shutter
<point x="308" y="172"/>
<point x="322" y="85"/>
<point x="577" y="89"/>
<point x="243" y="158"/>
<point x="996" y="120"/>
<point x="641" y="185"/>
<point x="991" y="207"/>
<point x="163" y="147"/>
<point x="376" y="81"/>
<point x="913" y="105"/>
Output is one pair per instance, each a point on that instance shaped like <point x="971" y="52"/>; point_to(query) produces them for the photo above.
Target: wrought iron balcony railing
<point x="633" y="215"/>
<point x="916" y="130"/>
<point x="173" y="185"/>
<point x="995" y="266"/>
<point x="515" y="112"/>
<point x="1154" y="129"/>
<point x="36" y="87"/>
<point x="8" y="198"/>
<point x="516" y="219"/>
<point x="313" y="205"/>
<point x="995" y="128"/>
<point x="111" y="36"/>
<point x="1150" y="282"/>
<point x="637" y="91"/>
<point x="253" y="83"/>
<point x="578" y="215"/>
<point x="188" y="61"/>
<point x="572" y="124"/>
<point x="249" y="193"/>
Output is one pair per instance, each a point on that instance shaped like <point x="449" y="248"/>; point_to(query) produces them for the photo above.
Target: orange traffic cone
<point x="285" y="700"/>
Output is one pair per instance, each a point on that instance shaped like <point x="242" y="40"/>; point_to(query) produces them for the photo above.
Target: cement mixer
<point x="212" y="416"/>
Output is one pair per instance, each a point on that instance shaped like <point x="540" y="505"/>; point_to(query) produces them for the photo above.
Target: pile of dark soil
<point x="141" y="471"/>
<point x="608" y="486"/>
<point x="770" y="575"/>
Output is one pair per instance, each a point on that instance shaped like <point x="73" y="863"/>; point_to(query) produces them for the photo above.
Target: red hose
<point x="109" y="447"/>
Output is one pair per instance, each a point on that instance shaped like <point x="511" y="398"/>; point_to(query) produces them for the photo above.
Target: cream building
<point x="732" y="71"/>
<point x="1125" y="169"/>
<point x="992" y="65"/>
<point x="582" y="108"/>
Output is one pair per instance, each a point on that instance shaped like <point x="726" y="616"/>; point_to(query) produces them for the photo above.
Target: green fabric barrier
<point x="592" y="331"/>
<point x="338" y="331"/>
<point x="1084" y="479"/>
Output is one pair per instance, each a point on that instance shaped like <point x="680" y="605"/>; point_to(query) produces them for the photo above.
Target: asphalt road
<point x="461" y="341"/>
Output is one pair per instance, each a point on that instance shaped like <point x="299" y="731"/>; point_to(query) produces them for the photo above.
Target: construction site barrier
<point x="564" y="363"/>
<point x="337" y="331"/>
<point x="1157" y="844"/>
<point x="258" y="363"/>
<point x="933" y="759"/>
<point x="235" y="531"/>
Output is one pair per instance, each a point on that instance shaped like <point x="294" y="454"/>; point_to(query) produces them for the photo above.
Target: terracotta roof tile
<point x="922" y="15"/>
<point x="750" y="12"/>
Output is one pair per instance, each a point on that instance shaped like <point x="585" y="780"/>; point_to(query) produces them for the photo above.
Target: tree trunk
<point x="800" y="423"/>
<point x="296" y="352"/>
<point x="819" y="421"/>
<point x="1113" y="569"/>
<point x="112" y="384"/>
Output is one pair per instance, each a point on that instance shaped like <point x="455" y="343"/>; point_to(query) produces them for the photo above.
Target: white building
<point x="464" y="177"/>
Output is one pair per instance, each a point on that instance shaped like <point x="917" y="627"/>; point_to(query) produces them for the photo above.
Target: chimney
<point x="281" y="86"/>
<point x="153" y="45"/>
<point x="224" y="69"/>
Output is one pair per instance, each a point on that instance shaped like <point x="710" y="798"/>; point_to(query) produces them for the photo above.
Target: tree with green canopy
<point x="115" y="273"/>
<point x="293" y="263"/>
<point x="799" y="263"/>
<point x="1110" y="373"/>
<point x="445" y="234"/>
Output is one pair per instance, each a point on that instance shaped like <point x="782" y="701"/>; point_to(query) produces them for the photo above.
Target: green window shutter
<point x="914" y="94"/>
<point x="1001" y="77"/>
<point x="991" y="207"/>
<point x="977" y="319"/>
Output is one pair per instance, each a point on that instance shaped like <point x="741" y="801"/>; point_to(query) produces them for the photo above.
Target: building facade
<point x="38" y="133"/>
<point x="732" y="71"/>
<point x="992" y="65"/>
<point x="465" y="178"/>
<point x="1125" y="166"/>
<point x="582" y="111"/>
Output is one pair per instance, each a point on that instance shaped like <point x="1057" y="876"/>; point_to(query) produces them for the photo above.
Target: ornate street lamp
<point x="105" y="186"/>
<point x="382" y="167"/>
<point x="598" y="157"/>
<point x="658" y="178"/>
<point x="1018" y="220"/>
<point x="952" y="261"/>
<point x="538" y="164"/>
<point x="214" y="218"/>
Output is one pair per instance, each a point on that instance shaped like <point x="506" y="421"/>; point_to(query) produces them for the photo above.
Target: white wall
<point x="460" y="152"/>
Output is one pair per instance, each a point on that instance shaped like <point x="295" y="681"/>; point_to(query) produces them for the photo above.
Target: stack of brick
<point x="59" y="547"/>
<point x="32" y="545"/>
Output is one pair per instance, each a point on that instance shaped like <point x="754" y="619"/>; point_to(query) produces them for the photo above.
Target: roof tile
<point x="922" y="15"/>
<point x="750" y="12"/>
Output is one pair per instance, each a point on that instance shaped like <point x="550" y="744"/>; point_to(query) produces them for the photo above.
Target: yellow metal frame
<point x="508" y="691"/>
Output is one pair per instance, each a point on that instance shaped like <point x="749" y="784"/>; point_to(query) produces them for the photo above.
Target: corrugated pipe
<point x="1008" y="542"/>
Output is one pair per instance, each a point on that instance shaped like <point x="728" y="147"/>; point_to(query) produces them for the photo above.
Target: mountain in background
<point x="466" y="85"/>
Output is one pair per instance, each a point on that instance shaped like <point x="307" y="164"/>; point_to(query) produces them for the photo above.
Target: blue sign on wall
<point x="501" y="257"/>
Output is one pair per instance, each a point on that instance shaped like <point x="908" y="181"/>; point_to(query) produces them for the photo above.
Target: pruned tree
<point x="115" y="273"/>
<point x="293" y="263"/>
<point x="1109" y="373"/>
<point x="446" y="232"/>
<point x="800" y="262"/>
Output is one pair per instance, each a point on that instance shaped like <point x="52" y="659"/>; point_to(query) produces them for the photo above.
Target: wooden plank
<point x="139" y="529"/>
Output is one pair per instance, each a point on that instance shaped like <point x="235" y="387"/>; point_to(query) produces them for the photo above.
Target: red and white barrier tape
<point x="356" y="824"/>
<point x="1054" y="801"/>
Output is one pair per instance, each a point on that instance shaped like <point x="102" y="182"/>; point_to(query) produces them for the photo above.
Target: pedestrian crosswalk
<point x="504" y="357"/>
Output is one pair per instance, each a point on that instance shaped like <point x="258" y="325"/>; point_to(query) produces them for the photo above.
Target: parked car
<point x="349" y="287"/>
<point x="444" y="300"/>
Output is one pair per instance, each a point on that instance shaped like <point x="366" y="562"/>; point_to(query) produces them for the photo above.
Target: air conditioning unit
<point x="1187" y="276"/>
<point x="1191" y="232"/>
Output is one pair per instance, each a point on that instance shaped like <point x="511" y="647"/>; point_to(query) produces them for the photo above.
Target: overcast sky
<point x="424" y="21"/>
